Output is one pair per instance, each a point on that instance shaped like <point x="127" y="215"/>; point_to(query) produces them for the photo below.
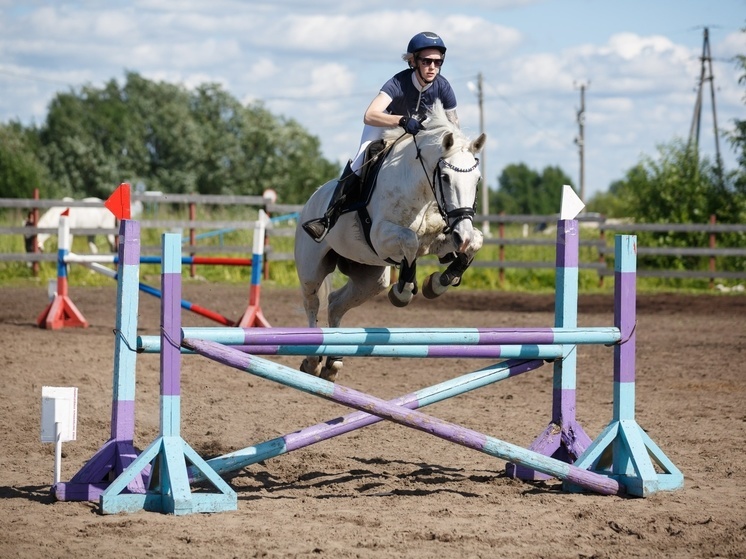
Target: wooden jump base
<point x="622" y="460"/>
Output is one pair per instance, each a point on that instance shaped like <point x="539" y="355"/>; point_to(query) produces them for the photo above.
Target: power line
<point x="543" y="129"/>
<point x="32" y="78"/>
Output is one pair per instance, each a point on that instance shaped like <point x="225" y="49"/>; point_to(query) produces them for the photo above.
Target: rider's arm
<point x="376" y="115"/>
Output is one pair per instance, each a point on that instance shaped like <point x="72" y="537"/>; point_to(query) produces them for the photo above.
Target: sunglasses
<point x="438" y="62"/>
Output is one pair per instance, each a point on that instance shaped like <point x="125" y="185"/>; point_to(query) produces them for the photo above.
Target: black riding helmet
<point x="426" y="40"/>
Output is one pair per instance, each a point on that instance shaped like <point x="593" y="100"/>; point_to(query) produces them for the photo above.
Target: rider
<point x="402" y="101"/>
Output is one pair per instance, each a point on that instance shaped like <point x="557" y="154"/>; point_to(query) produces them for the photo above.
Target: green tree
<point x="678" y="187"/>
<point x="176" y="140"/>
<point x="81" y="139"/>
<point x="737" y="137"/>
<point x="522" y="190"/>
<point x="21" y="171"/>
<point x="675" y="187"/>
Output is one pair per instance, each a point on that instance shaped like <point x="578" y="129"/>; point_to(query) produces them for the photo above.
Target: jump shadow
<point x="427" y="479"/>
<point x="34" y="493"/>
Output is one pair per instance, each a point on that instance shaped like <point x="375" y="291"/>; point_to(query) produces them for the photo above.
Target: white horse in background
<point x="423" y="203"/>
<point x="79" y="218"/>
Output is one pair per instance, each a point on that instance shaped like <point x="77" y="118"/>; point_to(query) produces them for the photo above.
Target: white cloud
<point x="321" y="63"/>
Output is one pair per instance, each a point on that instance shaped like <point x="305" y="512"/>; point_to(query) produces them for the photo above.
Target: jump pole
<point x="528" y="337"/>
<point x="548" y="352"/>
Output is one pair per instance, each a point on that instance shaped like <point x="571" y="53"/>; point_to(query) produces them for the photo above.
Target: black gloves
<point x="411" y="125"/>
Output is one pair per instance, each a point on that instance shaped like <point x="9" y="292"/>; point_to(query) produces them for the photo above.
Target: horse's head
<point x="455" y="175"/>
<point x="456" y="180"/>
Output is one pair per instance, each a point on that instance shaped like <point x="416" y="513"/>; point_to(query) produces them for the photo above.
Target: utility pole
<point x="693" y="143"/>
<point x="580" y="139"/>
<point x="482" y="164"/>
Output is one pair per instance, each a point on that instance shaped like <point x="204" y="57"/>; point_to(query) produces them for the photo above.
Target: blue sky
<point x="321" y="63"/>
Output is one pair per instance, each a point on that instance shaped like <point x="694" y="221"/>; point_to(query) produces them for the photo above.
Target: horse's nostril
<point x="458" y="240"/>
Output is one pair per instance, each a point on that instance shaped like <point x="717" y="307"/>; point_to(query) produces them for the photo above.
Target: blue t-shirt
<point x="405" y="97"/>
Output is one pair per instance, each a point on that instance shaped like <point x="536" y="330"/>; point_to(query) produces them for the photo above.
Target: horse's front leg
<point x="400" y="245"/>
<point x="438" y="283"/>
<point x="402" y="292"/>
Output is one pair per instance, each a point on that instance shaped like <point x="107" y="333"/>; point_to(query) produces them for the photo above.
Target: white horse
<point x="80" y="218"/>
<point x="423" y="203"/>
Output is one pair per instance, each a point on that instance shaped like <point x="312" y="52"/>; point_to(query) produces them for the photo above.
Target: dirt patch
<point x="385" y="491"/>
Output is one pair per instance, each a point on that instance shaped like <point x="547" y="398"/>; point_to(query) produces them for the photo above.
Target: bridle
<point x="454" y="216"/>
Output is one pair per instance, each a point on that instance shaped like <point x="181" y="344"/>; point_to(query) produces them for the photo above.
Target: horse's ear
<point x="478" y="144"/>
<point x="448" y="141"/>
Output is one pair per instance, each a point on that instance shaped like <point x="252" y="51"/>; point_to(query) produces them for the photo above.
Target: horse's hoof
<point x="432" y="287"/>
<point x="330" y="372"/>
<point x="400" y="298"/>
<point x="313" y="370"/>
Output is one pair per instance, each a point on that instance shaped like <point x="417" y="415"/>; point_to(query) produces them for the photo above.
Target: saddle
<point x="374" y="158"/>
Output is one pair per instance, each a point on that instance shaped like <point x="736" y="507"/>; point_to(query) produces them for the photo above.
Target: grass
<point x="282" y="273"/>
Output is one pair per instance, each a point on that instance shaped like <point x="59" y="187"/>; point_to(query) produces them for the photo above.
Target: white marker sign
<point x="59" y="405"/>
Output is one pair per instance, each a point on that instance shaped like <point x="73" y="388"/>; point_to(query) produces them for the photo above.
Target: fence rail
<point x="588" y="221"/>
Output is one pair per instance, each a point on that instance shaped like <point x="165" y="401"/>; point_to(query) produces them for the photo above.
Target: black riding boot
<point x="347" y="186"/>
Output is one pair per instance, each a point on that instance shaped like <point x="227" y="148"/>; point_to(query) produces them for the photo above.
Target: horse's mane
<point x="437" y="125"/>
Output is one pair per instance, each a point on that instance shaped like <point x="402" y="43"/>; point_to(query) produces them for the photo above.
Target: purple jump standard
<point x="118" y="452"/>
<point x="563" y="438"/>
<point x="624" y="451"/>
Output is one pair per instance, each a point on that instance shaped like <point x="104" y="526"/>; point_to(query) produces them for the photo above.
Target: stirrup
<point x="316" y="228"/>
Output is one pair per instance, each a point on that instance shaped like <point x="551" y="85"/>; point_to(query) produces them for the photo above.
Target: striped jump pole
<point x="119" y="451"/>
<point x="155" y="259"/>
<point x="186" y="305"/>
<point x="168" y="487"/>
<point x="61" y="311"/>
<point x="395" y="336"/>
<point x="404" y="416"/>
<point x="147" y="344"/>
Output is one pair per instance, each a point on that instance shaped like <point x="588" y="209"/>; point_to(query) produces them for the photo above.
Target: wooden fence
<point x="527" y="236"/>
